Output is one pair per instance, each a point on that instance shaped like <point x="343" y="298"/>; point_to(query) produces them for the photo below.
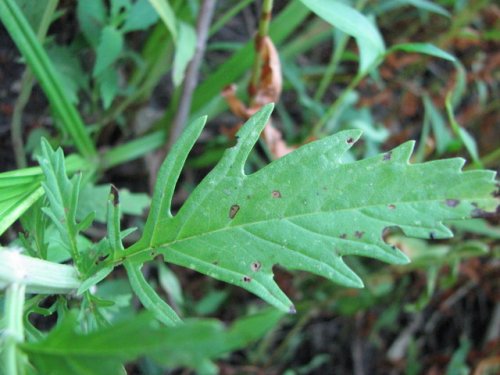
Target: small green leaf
<point x="69" y="71"/>
<point x="141" y="16"/>
<point x="62" y="194"/>
<point x="352" y="22"/>
<point x="94" y="279"/>
<point x="148" y="297"/>
<point x="441" y="132"/>
<point x="92" y="19"/>
<point x="108" y="86"/>
<point x="427" y="5"/>
<point x="109" y="49"/>
<point x="167" y="15"/>
<point x="424" y="48"/>
<point x="184" y="52"/>
<point x="463" y="135"/>
<point x="305" y="211"/>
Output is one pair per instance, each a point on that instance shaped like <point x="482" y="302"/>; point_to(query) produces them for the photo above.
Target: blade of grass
<point x="39" y="62"/>
<point x="27" y="82"/>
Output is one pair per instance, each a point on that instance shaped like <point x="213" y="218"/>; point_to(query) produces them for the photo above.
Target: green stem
<point x="336" y="104"/>
<point x="228" y="15"/>
<point x="491" y="159"/>
<point x="27" y="82"/>
<point x="331" y="68"/>
<point x="335" y="60"/>
<point x="14" y="332"/>
<point x="265" y="20"/>
<point x="316" y="130"/>
<point x="16" y="123"/>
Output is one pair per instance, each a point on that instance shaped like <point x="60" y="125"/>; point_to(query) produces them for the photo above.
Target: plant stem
<point x="192" y="73"/>
<point x="491" y="159"/>
<point x="190" y="81"/>
<point x="228" y="15"/>
<point x="336" y="104"/>
<point x="334" y="62"/>
<point x="263" y="31"/>
<point x="14" y="332"/>
<point x="27" y="82"/>
<point x="345" y="93"/>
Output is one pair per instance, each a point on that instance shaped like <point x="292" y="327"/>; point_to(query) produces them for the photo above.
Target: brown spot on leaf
<point x="359" y="234"/>
<point x="276" y="194"/>
<point x="391" y="206"/>
<point x="343" y="236"/>
<point x="247" y="279"/>
<point x="452" y="202"/>
<point x="387" y="156"/>
<point x="233" y="211"/>
<point x="432" y="235"/>
<point x="255" y="266"/>
<point x="350" y="140"/>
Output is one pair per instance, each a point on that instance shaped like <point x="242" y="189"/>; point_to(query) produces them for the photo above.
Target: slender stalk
<point x="334" y="62"/>
<point x="228" y="15"/>
<point x="192" y="73"/>
<point x="263" y="31"/>
<point x="331" y="69"/>
<point x="27" y="82"/>
<point x="345" y="94"/>
<point x="337" y="104"/>
<point x="14" y="331"/>
<point x="190" y="82"/>
<point x="491" y="159"/>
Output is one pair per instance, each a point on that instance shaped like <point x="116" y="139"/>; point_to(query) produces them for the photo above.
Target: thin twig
<point x="192" y="72"/>
<point x="190" y="81"/>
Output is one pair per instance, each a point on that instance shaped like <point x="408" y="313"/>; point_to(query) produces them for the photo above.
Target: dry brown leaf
<point x="268" y="90"/>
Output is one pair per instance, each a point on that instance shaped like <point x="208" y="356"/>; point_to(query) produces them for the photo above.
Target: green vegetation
<point x="129" y="251"/>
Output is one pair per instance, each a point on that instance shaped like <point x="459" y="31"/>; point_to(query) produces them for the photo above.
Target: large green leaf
<point x="305" y="211"/>
<point x="66" y="351"/>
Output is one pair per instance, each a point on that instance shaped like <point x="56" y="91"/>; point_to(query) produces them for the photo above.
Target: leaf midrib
<point x="227" y="227"/>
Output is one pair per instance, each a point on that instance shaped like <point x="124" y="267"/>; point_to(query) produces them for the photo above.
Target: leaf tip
<point x="114" y="195"/>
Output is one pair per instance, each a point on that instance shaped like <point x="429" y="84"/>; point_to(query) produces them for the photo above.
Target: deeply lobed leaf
<point x="307" y="210"/>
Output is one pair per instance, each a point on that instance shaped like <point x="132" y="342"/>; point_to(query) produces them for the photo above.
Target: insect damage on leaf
<point x="307" y="210"/>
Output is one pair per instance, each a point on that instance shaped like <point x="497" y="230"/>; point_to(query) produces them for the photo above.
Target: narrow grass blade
<point x="37" y="59"/>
